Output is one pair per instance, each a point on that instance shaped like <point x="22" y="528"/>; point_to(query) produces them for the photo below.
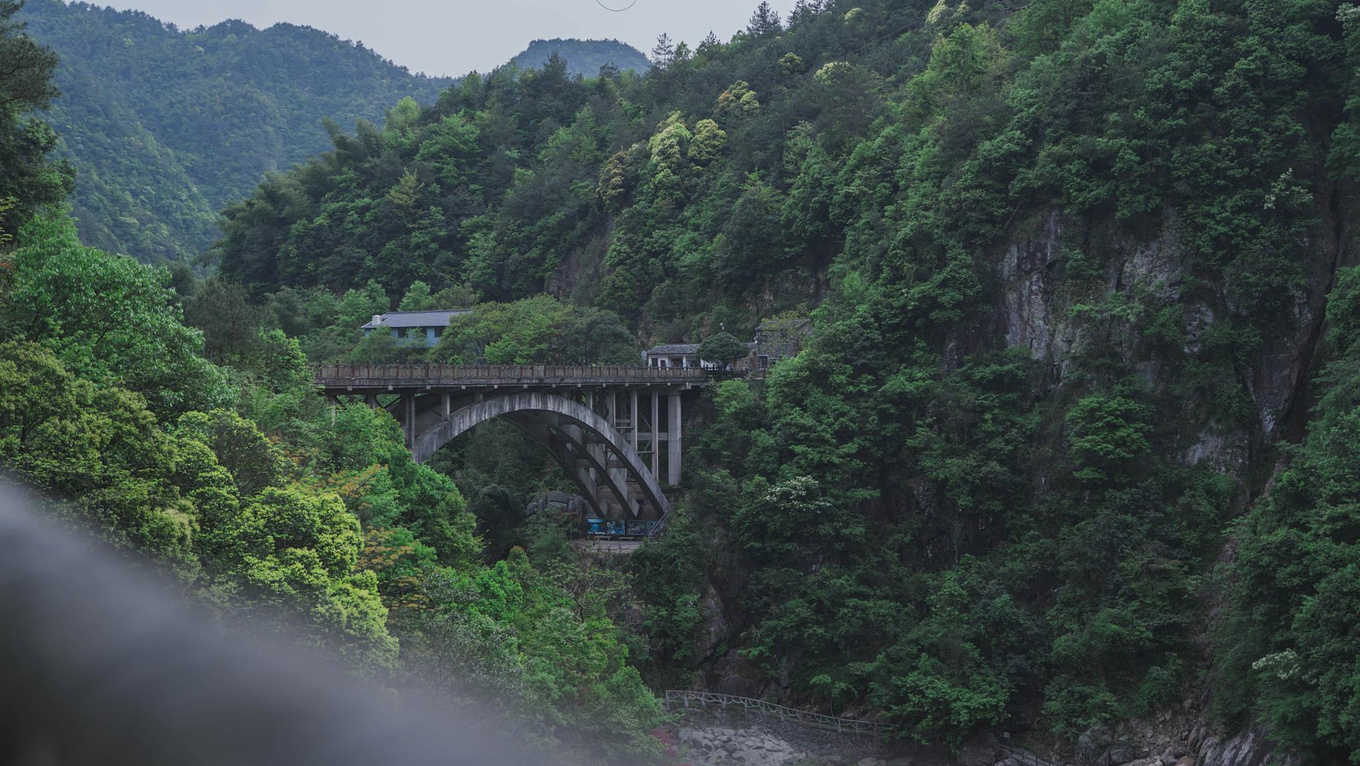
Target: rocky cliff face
<point x="1037" y="314"/>
<point x="1040" y="311"/>
<point x="1251" y="747"/>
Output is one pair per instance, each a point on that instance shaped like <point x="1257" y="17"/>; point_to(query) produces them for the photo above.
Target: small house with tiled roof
<point x="680" y="356"/>
<point x="417" y="328"/>
<point x="674" y="356"/>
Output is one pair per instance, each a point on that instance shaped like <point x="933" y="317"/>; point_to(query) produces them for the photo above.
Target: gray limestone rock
<point x="1249" y="748"/>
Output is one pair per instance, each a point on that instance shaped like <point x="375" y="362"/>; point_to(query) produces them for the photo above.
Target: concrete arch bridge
<point x="615" y="430"/>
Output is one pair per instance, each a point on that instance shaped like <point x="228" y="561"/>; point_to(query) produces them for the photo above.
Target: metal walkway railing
<point x="804" y="717"/>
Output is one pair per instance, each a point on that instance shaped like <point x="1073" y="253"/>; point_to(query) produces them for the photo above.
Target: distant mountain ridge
<point x="584" y="57"/>
<point x="166" y="126"/>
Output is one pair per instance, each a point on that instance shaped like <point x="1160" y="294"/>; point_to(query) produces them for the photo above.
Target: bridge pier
<point x="673" y="437"/>
<point x="408" y="418"/>
<point x="656" y="434"/>
<point x="633" y="416"/>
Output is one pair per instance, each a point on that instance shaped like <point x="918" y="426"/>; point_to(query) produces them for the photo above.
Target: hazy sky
<point x="452" y="37"/>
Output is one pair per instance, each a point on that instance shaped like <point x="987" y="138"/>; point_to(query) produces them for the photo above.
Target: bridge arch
<point x="577" y="436"/>
<point x="599" y="422"/>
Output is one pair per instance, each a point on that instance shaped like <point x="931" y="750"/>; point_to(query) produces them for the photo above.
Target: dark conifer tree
<point x="765" y="21"/>
<point x="709" y="43"/>
<point x="663" y="52"/>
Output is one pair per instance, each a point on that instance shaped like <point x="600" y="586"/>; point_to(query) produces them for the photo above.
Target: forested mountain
<point x="1069" y="266"/>
<point x="166" y="126"/>
<point x="583" y="57"/>
<point x="1070" y="452"/>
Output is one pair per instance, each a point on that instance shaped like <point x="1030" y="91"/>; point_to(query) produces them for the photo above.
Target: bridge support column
<point x="371" y="400"/>
<point x="673" y="437"/>
<point x="633" y="415"/>
<point x="599" y="455"/>
<point x="619" y="475"/>
<point x="408" y="409"/>
<point x="656" y="436"/>
<point x="445" y="406"/>
<point x="587" y="477"/>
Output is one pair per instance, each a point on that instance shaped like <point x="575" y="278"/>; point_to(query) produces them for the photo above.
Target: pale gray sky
<point x="453" y="37"/>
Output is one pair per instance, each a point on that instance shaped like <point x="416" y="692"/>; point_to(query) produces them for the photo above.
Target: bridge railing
<point x="751" y="704"/>
<point x="453" y="374"/>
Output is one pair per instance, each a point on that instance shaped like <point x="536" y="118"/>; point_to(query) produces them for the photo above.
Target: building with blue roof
<point x="414" y="327"/>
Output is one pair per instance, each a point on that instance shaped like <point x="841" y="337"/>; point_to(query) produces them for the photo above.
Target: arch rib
<point x="573" y="436"/>
<point x="471" y="415"/>
<point x="565" y="453"/>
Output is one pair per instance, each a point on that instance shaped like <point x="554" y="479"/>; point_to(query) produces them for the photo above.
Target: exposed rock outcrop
<point x="733" y="738"/>
<point x="720" y="746"/>
<point x="1248" y="748"/>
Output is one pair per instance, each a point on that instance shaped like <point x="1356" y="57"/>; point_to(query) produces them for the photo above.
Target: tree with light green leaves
<point x="108" y="318"/>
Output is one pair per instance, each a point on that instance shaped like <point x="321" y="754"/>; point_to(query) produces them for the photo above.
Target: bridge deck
<point x="387" y="377"/>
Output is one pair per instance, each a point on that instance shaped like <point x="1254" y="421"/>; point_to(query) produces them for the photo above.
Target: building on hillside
<point x="777" y="340"/>
<point x="674" y="356"/>
<point x="414" y="327"/>
<point x="683" y="356"/>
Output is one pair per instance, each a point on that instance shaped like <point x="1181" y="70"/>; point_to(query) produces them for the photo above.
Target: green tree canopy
<point x="108" y="319"/>
<point x="29" y="179"/>
<point x="723" y="348"/>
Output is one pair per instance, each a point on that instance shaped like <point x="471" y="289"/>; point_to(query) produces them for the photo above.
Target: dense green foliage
<point x="1290" y="645"/>
<point x="206" y="454"/>
<point x="236" y="479"/>
<point x="584" y="57"/>
<point x="166" y="126"/>
<point x="27" y="180"/>
<point x="1065" y="265"/>
<point x="723" y="348"/>
<point x="539" y="329"/>
<point x="412" y="201"/>
<point x="1052" y="249"/>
